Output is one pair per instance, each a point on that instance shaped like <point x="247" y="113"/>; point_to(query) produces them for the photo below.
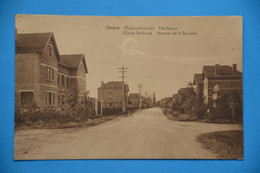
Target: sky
<point x="161" y="63"/>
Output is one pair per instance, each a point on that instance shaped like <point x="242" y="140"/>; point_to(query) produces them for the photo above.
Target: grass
<point x="58" y="125"/>
<point x="174" y="115"/>
<point x="226" y="144"/>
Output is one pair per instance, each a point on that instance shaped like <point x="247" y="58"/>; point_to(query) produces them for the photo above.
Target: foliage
<point x="186" y="100"/>
<point x="227" y="144"/>
<point x="78" y="109"/>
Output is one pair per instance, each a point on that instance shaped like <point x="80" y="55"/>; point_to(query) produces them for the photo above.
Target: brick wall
<point x="48" y="60"/>
<point x="27" y="74"/>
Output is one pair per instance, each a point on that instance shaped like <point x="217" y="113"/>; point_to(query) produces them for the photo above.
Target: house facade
<point x="43" y="76"/>
<point x="225" y="78"/>
<point x="134" y="100"/>
<point x="111" y="94"/>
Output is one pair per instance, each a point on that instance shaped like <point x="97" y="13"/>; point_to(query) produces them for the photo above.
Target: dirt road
<point x="147" y="134"/>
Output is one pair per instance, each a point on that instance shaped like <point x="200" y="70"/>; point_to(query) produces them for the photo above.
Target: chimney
<point x="102" y="82"/>
<point x="216" y="66"/>
<point x="234" y="68"/>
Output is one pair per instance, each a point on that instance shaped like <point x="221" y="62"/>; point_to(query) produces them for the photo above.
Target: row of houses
<point x="208" y="89"/>
<point x="111" y="95"/>
<point x="42" y="75"/>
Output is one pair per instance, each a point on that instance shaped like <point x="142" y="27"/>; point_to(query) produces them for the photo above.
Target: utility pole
<point x="123" y="71"/>
<point x="140" y="91"/>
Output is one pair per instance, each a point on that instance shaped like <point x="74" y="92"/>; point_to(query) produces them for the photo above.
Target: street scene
<point x="147" y="134"/>
<point x="97" y="87"/>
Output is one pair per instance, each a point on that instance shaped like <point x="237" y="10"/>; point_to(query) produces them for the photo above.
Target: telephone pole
<point x="140" y="99"/>
<point x="123" y="71"/>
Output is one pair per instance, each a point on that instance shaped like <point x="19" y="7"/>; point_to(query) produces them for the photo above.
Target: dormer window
<point x="49" y="50"/>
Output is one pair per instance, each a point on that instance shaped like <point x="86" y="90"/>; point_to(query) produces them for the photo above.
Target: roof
<point x="37" y="42"/>
<point x="219" y="70"/>
<point x="198" y="79"/>
<point x="134" y="95"/>
<point x="32" y="42"/>
<point x="73" y="61"/>
<point x="114" y="85"/>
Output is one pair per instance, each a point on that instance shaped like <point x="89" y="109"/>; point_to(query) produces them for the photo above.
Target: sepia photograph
<point x="117" y="87"/>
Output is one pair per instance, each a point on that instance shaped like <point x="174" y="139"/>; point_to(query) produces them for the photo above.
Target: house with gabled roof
<point x="42" y="75"/>
<point x="226" y="78"/>
<point x="135" y="100"/>
<point x="111" y="94"/>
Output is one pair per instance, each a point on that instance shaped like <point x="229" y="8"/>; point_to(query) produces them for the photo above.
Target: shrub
<point x="31" y="114"/>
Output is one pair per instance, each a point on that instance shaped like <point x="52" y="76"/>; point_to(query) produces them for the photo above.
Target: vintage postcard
<point x="111" y="87"/>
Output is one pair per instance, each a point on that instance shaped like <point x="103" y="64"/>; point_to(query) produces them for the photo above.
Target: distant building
<point x="198" y="84"/>
<point x="226" y="77"/>
<point x="42" y="75"/>
<point x="134" y="100"/>
<point x="149" y="102"/>
<point x="154" y="98"/>
<point x="166" y="102"/>
<point x="175" y="99"/>
<point x="110" y="94"/>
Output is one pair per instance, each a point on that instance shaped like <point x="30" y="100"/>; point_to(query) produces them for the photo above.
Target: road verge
<point x="177" y="116"/>
<point x="226" y="144"/>
<point x="72" y="124"/>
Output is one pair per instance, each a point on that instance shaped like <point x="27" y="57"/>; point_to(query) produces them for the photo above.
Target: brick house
<point x="134" y="99"/>
<point x="111" y="94"/>
<point x="226" y="77"/>
<point x="42" y="75"/>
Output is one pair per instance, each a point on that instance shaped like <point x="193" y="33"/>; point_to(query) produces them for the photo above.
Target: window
<point x="50" y="98"/>
<point x="63" y="100"/>
<point x="58" y="99"/>
<point x="63" y="80"/>
<point x="50" y="73"/>
<point x="58" y="78"/>
<point x="49" y="50"/>
<point x="67" y="79"/>
<point x="26" y="98"/>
